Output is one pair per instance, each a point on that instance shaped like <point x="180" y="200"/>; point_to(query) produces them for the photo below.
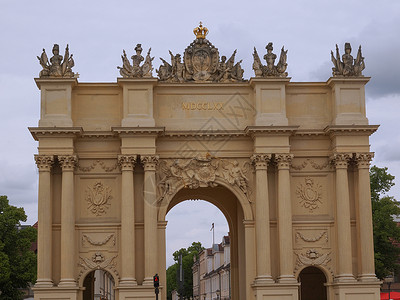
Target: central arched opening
<point x="312" y="284"/>
<point x="232" y="209"/>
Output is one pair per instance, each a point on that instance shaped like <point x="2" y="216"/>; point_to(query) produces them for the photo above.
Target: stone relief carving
<point x="312" y="164"/>
<point x="348" y="66"/>
<point x="135" y="70"/>
<point x="270" y="70"/>
<point x="313" y="258"/>
<point x="98" y="197"/>
<point x="310" y="194"/>
<point x="200" y="63"/>
<point x="299" y="235"/>
<point x="98" y="261"/>
<point x="58" y="66"/>
<point x="101" y="164"/>
<point x="86" y="238"/>
<point x="201" y="172"/>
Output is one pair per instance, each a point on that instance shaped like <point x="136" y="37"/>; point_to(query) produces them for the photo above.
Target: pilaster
<point x="263" y="244"/>
<point x="343" y="227"/>
<point x="127" y="164"/>
<point x="68" y="265"/>
<point x="44" y="265"/>
<point x="285" y="219"/>
<point x="150" y="218"/>
<point x="364" y="218"/>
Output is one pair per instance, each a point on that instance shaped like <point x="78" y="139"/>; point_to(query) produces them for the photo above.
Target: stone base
<point x="276" y="291"/>
<point x="137" y="292"/>
<point x="356" y="291"/>
<point x="56" y="293"/>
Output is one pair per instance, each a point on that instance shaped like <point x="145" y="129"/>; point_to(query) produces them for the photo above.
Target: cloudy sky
<point x="97" y="31"/>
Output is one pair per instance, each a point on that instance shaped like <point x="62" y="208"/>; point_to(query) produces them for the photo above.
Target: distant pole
<point x="213" y="231"/>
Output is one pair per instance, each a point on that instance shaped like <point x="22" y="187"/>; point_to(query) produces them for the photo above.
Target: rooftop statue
<point x="348" y="66"/>
<point x="136" y="70"/>
<point x="57" y="67"/>
<point x="201" y="63"/>
<point x="270" y="70"/>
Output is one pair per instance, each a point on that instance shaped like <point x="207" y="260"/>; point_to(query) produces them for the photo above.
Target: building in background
<point x="211" y="272"/>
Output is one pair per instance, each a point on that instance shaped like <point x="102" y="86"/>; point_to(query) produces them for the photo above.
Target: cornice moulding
<point x="54" y="131"/>
<point x="55" y="80"/>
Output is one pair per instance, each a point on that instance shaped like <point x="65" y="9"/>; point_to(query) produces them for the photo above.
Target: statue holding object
<point x="136" y="70"/>
<point x="57" y="67"/>
<point x="270" y="70"/>
<point x="348" y="66"/>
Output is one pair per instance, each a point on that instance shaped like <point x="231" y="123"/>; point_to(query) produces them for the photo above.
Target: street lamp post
<point x="388" y="280"/>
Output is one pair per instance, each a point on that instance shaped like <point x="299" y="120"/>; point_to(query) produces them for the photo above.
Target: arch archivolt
<point x="175" y="175"/>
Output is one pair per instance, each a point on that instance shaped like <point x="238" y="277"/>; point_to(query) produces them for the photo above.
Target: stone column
<point x="68" y="262"/>
<point x="128" y="276"/>
<point x="44" y="275"/>
<point x="343" y="226"/>
<point x="364" y="218"/>
<point x="285" y="219"/>
<point x="150" y="218"/>
<point x="263" y="250"/>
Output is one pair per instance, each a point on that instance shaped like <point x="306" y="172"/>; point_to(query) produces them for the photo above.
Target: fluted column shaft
<point x="68" y="262"/>
<point x="343" y="226"/>
<point x="44" y="274"/>
<point x="128" y="276"/>
<point x="366" y="237"/>
<point x="285" y="219"/>
<point x="150" y="218"/>
<point x="263" y="244"/>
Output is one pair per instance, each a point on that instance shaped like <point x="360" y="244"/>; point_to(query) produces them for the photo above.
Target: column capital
<point x="363" y="159"/>
<point x="260" y="161"/>
<point x="68" y="162"/>
<point x="44" y="162"/>
<point x="150" y="162"/>
<point x="284" y="160"/>
<point x="340" y="160"/>
<point x="127" y="162"/>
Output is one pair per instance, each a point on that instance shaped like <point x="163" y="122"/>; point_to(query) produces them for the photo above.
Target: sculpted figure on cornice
<point x="348" y="66"/>
<point x="135" y="70"/>
<point x="270" y="70"/>
<point x="58" y="66"/>
<point x="200" y="63"/>
<point x="200" y="171"/>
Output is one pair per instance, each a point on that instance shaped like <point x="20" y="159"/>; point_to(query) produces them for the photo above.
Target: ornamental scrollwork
<point x="313" y="258"/>
<point x="98" y="243"/>
<point x="201" y="171"/>
<point x="98" y="197"/>
<point x="299" y="235"/>
<point x="101" y="164"/>
<point x="312" y="164"/>
<point x="98" y="261"/>
<point x="310" y="194"/>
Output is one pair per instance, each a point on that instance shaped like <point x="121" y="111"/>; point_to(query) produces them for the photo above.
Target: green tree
<point x="188" y="255"/>
<point x="17" y="261"/>
<point x="386" y="231"/>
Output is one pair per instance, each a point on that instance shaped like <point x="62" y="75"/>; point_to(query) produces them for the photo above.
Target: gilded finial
<point x="200" y="32"/>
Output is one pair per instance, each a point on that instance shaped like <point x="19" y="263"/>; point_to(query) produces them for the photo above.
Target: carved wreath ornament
<point x="98" y="197"/>
<point x="201" y="172"/>
<point x="310" y="194"/>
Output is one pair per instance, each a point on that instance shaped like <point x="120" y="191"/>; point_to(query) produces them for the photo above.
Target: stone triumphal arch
<point x="286" y="162"/>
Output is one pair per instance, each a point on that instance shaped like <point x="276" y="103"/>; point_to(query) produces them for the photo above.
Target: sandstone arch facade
<point x="293" y="157"/>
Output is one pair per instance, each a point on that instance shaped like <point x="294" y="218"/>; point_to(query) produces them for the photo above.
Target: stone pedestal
<point x="138" y="293"/>
<point x="56" y="107"/>
<point x="270" y="101"/>
<point x="276" y="291"/>
<point x="56" y="293"/>
<point x="137" y="102"/>
<point x="348" y="100"/>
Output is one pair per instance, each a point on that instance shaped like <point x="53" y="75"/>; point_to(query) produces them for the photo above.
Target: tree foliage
<point x="187" y="262"/>
<point x="17" y="261"/>
<point x="386" y="231"/>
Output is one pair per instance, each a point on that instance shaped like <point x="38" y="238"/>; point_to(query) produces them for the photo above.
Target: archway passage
<point x="99" y="285"/>
<point x="312" y="284"/>
<point x="232" y="208"/>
